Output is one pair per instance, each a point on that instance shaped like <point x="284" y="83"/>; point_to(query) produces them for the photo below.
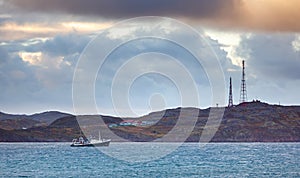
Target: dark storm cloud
<point x="272" y="56"/>
<point x="129" y="8"/>
<point x="15" y="75"/>
<point x="272" y="67"/>
<point x="270" y="15"/>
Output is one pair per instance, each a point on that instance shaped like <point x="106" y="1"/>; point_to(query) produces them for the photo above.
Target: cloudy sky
<point x="42" y="42"/>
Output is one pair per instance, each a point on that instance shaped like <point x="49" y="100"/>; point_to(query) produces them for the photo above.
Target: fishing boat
<point x="81" y="142"/>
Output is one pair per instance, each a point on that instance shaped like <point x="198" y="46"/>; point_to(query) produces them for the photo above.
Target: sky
<point x="43" y="44"/>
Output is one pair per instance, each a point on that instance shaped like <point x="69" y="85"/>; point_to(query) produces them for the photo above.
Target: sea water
<point x="188" y="160"/>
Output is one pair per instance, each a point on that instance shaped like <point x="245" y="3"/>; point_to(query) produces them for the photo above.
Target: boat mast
<point x="100" y="136"/>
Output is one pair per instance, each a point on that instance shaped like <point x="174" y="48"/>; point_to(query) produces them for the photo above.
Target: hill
<point x="48" y="117"/>
<point x="248" y="122"/>
<point x="18" y="123"/>
<point x="15" y="122"/>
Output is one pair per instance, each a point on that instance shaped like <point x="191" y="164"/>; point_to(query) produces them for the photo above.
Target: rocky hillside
<point x="248" y="122"/>
<point x="259" y="122"/>
<point x="19" y="123"/>
<point x="16" y="122"/>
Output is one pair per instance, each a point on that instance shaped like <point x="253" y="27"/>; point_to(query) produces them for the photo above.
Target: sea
<point x="129" y="160"/>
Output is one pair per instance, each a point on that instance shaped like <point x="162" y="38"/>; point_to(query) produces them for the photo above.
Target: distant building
<point x="113" y="125"/>
<point x="137" y="123"/>
<point x="127" y="123"/>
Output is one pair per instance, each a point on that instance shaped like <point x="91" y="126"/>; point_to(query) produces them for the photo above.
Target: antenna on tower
<point x="243" y="94"/>
<point x="230" y="101"/>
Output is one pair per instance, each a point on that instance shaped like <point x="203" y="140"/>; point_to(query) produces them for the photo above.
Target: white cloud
<point x="296" y="43"/>
<point x="229" y="41"/>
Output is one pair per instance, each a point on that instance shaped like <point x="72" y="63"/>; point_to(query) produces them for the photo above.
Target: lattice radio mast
<point x="243" y="94"/>
<point x="230" y="100"/>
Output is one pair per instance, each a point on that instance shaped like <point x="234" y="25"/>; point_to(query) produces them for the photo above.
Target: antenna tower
<point x="243" y="94"/>
<point x="230" y="101"/>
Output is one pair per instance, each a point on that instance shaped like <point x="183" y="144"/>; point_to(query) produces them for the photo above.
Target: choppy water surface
<point x="189" y="160"/>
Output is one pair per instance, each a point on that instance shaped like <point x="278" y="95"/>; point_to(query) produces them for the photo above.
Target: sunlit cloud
<point x="43" y="60"/>
<point x="85" y="26"/>
<point x="31" y="28"/>
<point x="296" y="43"/>
<point x="15" y="31"/>
<point x="32" y="58"/>
<point x="229" y="41"/>
<point x="273" y="15"/>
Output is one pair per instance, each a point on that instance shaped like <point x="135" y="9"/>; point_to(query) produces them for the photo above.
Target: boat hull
<point x="81" y="145"/>
<point x="94" y="144"/>
<point x="104" y="143"/>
